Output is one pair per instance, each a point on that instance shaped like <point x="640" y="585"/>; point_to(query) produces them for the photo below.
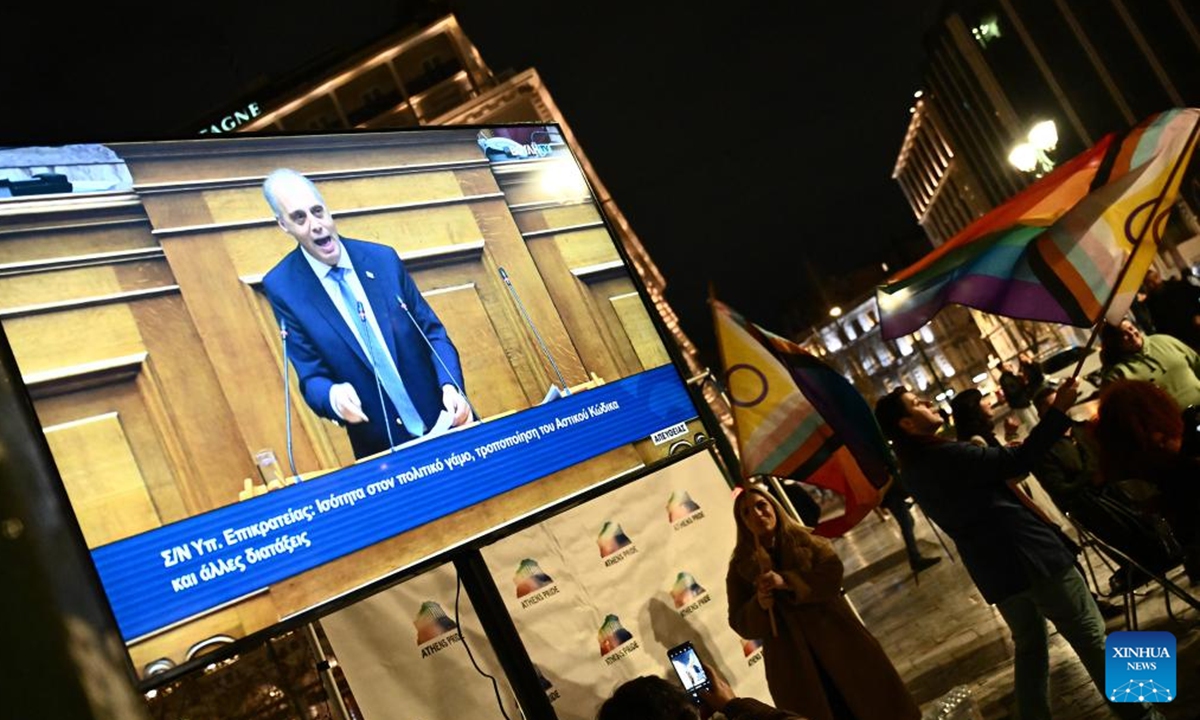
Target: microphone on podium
<point x="287" y="396"/>
<point x="436" y="355"/>
<point x="566" y="389"/>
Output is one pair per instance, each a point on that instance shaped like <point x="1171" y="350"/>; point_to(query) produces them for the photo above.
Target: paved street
<point x="941" y="634"/>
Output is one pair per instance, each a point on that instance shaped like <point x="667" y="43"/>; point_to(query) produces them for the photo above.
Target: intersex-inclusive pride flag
<point x="796" y="417"/>
<point x="1058" y="251"/>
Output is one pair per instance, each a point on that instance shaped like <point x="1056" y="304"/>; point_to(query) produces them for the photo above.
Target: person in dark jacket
<point x="1020" y="561"/>
<point x="652" y="698"/>
<point x="975" y="419"/>
<point x="1031" y="372"/>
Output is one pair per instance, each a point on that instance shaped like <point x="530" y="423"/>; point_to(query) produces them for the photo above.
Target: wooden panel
<point x="547" y="181"/>
<point x="238" y="157"/>
<point x="154" y="437"/>
<point x="61" y="340"/>
<point x="243" y="365"/>
<point x="506" y="248"/>
<point x="491" y="383"/>
<point x="408" y="230"/>
<point x="186" y="399"/>
<point x="331" y="446"/>
<point x="84" y="282"/>
<point x="557" y="217"/>
<point x="571" y="297"/>
<point x="509" y="332"/>
<point x="254" y="251"/>
<point x="246" y="202"/>
<point x="588" y="247"/>
<point x="615" y="336"/>
<point x="640" y="330"/>
<point x="102" y="479"/>
<point x="51" y="242"/>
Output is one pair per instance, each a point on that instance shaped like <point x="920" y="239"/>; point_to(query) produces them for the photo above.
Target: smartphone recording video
<point x="687" y="666"/>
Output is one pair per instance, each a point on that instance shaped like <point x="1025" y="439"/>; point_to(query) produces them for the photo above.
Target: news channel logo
<point x="1139" y="666"/>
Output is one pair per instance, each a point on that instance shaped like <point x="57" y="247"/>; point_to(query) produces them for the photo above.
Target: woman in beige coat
<point x="784" y="586"/>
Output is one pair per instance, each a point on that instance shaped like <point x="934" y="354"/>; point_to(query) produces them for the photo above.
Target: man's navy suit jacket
<point x="325" y="352"/>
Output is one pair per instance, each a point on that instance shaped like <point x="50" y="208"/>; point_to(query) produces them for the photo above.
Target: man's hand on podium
<point x="456" y="405"/>
<point x="346" y="404"/>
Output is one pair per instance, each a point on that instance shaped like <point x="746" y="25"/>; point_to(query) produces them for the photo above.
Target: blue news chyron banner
<point x="186" y="568"/>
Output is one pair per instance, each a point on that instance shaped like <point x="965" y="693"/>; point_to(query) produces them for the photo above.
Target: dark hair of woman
<point x="648" y="698"/>
<point x="1139" y="426"/>
<point x="969" y="418"/>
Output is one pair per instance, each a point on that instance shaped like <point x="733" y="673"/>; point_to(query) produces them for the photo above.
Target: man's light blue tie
<point x="384" y="367"/>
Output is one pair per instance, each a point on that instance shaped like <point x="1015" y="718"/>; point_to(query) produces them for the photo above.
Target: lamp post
<point x="1032" y="154"/>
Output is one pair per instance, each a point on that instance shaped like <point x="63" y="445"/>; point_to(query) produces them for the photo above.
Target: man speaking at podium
<point x="353" y="320"/>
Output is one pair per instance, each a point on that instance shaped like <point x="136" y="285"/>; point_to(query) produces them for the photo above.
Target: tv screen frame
<point x="572" y="434"/>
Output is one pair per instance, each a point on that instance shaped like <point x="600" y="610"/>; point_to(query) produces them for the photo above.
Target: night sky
<point x="739" y="144"/>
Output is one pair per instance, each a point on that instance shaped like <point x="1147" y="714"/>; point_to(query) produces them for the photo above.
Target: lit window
<point x="986" y="31"/>
<point x="945" y="366"/>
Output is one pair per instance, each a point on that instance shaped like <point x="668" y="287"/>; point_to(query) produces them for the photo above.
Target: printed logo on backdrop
<point x="752" y="651"/>
<point x="435" y="630"/>
<point x="1139" y="666"/>
<point x="615" y="641"/>
<point x="614" y="544"/>
<point x="547" y="686"/>
<point x="531" y="581"/>
<point x="689" y="595"/>
<point x="682" y="510"/>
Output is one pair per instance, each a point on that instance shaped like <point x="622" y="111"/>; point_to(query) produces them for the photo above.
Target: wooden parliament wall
<point x="140" y="326"/>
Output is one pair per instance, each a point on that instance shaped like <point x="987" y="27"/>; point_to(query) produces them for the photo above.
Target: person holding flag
<point x="1020" y="561"/>
<point x="784" y="586"/>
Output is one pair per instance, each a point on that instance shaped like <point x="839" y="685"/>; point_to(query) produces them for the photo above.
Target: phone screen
<point x="687" y="666"/>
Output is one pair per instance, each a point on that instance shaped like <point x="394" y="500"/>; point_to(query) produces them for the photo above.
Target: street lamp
<point x="835" y="311"/>
<point x="1032" y="155"/>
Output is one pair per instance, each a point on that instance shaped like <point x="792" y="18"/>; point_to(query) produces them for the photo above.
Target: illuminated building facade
<point x="1012" y="86"/>
<point x="1071" y="70"/>
<point x="943" y="357"/>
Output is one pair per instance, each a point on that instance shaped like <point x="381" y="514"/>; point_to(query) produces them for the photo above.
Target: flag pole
<point x="1112" y="296"/>
<point x="764" y="566"/>
<point x="728" y="454"/>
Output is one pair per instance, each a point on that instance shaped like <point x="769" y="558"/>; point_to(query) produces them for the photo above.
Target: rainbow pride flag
<point x="1059" y="251"/>
<point x="796" y="417"/>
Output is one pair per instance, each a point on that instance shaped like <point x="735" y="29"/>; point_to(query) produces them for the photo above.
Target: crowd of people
<point x="1129" y="477"/>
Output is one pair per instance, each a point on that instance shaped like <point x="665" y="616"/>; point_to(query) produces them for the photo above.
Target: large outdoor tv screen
<point x="275" y="371"/>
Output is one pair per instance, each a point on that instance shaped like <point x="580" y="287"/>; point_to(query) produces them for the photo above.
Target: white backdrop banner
<point x="598" y="595"/>
<point x="402" y="655"/>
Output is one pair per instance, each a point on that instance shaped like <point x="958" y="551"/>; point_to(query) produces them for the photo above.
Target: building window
<point x="987" y="30"/>
<point x="428" y="64"/>
<point x="369" y="95"/>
